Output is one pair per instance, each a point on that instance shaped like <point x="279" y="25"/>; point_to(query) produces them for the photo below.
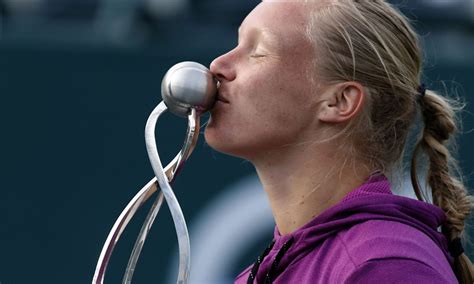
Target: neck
<point x="303" y="181"/>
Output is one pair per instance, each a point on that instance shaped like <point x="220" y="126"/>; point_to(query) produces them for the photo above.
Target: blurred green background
<point x="78" y="79"/>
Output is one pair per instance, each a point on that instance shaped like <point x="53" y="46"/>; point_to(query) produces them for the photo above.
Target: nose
<point x="223" y="67"/>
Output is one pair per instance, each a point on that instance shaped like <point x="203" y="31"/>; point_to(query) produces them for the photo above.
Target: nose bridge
<point x="223" y="66"/>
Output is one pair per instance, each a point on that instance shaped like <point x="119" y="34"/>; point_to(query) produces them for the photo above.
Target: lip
<point x="222" y="98"/>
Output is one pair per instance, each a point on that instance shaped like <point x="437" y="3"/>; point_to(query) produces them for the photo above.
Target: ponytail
<point x="371" y="42"/>
<point x="448" y="192"/>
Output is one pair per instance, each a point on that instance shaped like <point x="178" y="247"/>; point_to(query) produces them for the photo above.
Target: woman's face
<point x="266" y="100"/>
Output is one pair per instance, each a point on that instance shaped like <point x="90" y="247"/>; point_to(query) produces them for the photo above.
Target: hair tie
<point x="456" y="248"/>
<point x="422" y="90"/>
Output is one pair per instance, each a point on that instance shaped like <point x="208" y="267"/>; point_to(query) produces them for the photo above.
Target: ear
<point x="342" y="102"/>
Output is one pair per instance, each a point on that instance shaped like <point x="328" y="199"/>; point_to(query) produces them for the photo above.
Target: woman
<point x="320" y="96"/>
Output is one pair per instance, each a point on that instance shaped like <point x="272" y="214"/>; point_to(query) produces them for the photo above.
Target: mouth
<point x="222" y="99"/>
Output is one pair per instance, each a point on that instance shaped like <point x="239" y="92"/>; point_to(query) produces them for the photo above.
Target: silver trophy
<point x="188" y="90"/>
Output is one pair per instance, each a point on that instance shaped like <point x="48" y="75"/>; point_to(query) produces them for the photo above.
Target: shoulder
<point x="397" y="270"/>
<point x="392" y="252"/>
<point x="377" y="240"/>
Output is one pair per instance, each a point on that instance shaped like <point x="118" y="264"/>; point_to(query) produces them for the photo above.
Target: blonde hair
<point x="372" y="43"/>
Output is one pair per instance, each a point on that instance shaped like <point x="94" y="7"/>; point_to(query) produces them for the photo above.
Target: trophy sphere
<point x="188" y="85"/>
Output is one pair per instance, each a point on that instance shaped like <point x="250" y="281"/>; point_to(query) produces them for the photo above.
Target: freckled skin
<point x="272" y="103"/>
<point x="281" y="119"/>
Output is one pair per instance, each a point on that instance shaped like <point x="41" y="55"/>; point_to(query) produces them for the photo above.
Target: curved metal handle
<point x="189" y="145"/>
<point x="163" y="177"/>
<point x="175" y="209"/>
<point x="122" y="221"/>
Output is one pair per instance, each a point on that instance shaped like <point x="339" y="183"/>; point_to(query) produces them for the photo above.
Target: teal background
<point x="72" y="149"/>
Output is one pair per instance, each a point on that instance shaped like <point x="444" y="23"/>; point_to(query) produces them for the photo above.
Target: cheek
<point x="267" y="112"/>
<point x="286" y="102"/>
<point x="278" y="120"/>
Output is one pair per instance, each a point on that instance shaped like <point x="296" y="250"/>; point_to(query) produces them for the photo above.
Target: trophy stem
<point x="132" y="262"/>
<point x="119" y="226"/>
<point x="166" y="175"/>
<point x="177" y="164"/>
<point x="175" y="209"/>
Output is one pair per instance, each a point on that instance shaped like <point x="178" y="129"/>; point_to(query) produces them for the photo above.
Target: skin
<point x="270" y="113"/>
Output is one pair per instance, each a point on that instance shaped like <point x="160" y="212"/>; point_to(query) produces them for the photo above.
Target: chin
<point x="216" y="140"/>
<point x="219" y="141"/>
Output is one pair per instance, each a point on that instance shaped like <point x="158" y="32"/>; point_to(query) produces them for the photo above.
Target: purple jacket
<point x="371" y="236"/>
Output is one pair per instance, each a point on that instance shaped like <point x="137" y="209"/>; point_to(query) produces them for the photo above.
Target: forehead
<point x="280" y="18"/>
